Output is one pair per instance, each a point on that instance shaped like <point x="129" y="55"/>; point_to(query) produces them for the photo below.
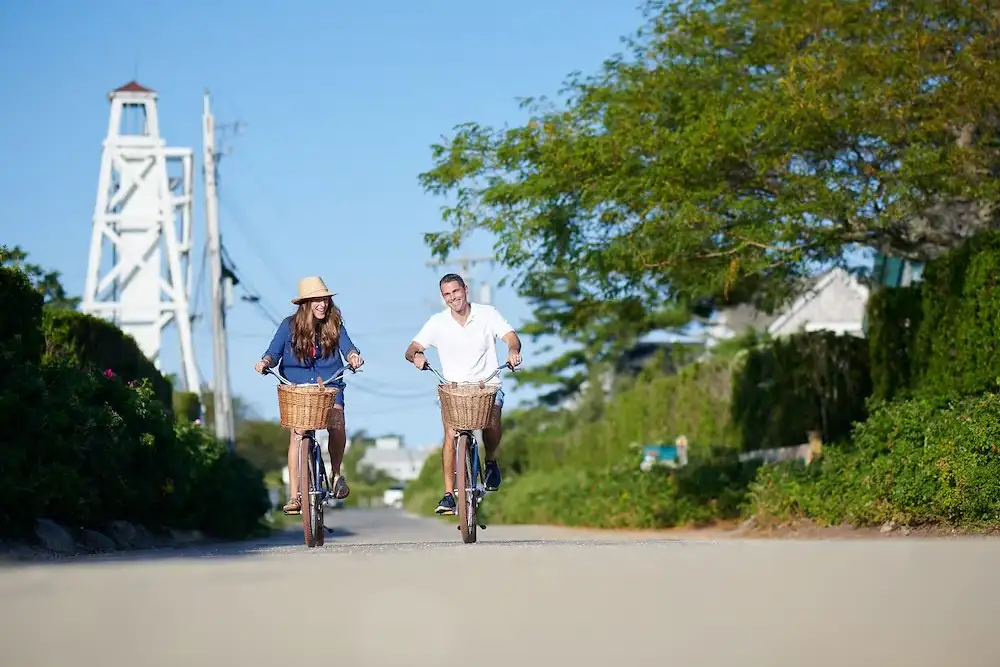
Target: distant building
<point x="834" y="301"/>
<point x="391" y="457"/>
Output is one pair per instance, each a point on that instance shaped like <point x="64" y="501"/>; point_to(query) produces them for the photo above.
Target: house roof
<point x="821" y="283"/>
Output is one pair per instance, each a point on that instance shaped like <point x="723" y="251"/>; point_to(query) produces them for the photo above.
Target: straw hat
<point x="312" y="288"/>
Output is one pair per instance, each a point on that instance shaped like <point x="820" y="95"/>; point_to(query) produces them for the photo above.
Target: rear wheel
<point x="307" y="484"/>
<point x="466" y="488"/>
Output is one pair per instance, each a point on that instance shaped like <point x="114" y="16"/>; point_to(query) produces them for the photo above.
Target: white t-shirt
<point x="468" y="353"/>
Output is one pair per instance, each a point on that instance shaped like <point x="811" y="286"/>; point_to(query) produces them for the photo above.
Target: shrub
<point x="808" y="381"/>
<point x="20" y="326"/>
<point x="86" y="447"/>
<point x="710" y="488"/>
<point x="920" y="461"/>
<point x="894" y="319"/>
<point x="93" y="343"/>
<point x="939" y="338"/>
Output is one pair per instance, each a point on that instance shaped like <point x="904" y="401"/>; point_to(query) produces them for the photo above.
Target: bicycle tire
<point x="319" y="528"/>
<point x="466" y="484"/>
<point x="306" y="487"/>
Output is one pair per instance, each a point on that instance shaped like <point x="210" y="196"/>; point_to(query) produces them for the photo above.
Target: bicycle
<point x="307" y="407"/>
<point x="468" y="407"/>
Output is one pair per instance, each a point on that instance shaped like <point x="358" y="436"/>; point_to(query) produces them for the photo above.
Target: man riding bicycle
<point x="465" y="336"/>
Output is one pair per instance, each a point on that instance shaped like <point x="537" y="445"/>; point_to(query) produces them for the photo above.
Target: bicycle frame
<point x="478" y="492"/>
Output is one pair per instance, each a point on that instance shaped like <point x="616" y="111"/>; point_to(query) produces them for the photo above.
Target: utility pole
<point x="223" y="403"/>
<point x="464" y="264"/>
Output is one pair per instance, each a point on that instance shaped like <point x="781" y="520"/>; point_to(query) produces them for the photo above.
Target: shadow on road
<point x="291" y="537"/>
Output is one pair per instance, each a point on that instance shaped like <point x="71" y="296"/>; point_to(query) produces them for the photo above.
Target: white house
<point x="835" y="301"/>
<point x="391" y="457"/>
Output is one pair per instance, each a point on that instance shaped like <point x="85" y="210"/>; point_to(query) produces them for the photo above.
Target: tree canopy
<point x="740" y="144"/>
<point x="48" y="283"/>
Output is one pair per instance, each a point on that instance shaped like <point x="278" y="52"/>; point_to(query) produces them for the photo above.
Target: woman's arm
<point x="347" y="346"/>
<point x="277" y="347"/>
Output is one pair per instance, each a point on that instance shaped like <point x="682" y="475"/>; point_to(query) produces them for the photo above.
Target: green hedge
<point x="790" y="386"/>
<point x="940" y="338"/>
<point x="96" y="344"/>
<point x="20" y="324"/>
<point x="894" y="320"/>
<point x="712" y="487"/>
<point x="919" y="461"/>
<point x="85" y="448"/>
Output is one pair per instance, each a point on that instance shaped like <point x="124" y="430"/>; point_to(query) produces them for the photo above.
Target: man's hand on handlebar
<point x="419" y="360"/>
<point x="513" y="358"/>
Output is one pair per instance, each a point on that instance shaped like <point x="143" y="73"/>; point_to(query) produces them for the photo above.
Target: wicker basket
<point x="305" y="407"/>
<point x="467" y="406"/>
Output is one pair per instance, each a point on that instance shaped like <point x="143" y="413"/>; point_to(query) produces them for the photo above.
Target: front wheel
<point x="307" y="487"/>
<point x="466" y="490"/>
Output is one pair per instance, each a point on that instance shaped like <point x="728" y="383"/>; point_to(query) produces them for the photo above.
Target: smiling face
<point x="319" y="307"/>
<point x="456" y="295"/>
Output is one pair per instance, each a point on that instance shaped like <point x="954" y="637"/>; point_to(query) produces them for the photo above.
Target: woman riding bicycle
<point x="308" y="344"/>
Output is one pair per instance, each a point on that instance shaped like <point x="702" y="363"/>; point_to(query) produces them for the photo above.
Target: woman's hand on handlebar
<point x="355" y="360"/>
<point x="262" y="366"/>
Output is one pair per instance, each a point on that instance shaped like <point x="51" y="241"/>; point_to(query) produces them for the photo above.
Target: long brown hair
<point x="304" y="330"/>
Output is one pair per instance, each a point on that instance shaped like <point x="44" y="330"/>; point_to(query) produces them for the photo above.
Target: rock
<point x="887" y="527"/>
<point x="905" y="531"/>
<point x="123" y="533"/>
<point x="186" y="536"/>
<point x="143" y="538"/>
<point x="95" y="541"/>
<point x="54" y="537"/>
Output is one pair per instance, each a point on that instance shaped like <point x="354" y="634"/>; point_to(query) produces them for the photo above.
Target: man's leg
<point x="447" y="504"/>
<point x="491" y="442"/>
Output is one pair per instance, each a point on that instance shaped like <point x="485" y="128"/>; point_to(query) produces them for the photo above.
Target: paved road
<point x="384" y="591"/>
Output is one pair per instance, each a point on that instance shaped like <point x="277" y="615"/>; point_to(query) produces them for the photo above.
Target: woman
<point x="309" y="344"/>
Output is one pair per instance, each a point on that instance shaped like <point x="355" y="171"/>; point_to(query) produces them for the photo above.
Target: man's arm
<point x="512" y="340"/>
<point x="423" y="340"/>
<point x="414" y="349"/>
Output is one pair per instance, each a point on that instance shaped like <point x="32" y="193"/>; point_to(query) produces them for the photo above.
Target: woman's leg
<point x="293" y="504"/>
<point x="336" y="445"/>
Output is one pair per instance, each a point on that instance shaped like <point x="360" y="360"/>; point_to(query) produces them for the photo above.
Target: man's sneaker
<point x="493" y="479"/>
<point x="446" y="506"/>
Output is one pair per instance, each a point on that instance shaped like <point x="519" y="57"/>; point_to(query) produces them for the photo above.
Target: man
<point x="465" y="336"/>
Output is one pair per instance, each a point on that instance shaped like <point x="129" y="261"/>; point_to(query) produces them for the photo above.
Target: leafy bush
<point x="708" y="489"/>
<point x="93" y="343"/>
<point x="86" y="447"/>
<point x="894" y="319"/>
<point x="20" y="326"/>
<point x="808" y="381"/>
<point x="920" y="461"/>
<point x="939" y="338"/>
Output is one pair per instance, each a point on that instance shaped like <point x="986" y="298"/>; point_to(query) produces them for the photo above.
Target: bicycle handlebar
<point x="284" y="380"/>
<point x="428" y="367"/>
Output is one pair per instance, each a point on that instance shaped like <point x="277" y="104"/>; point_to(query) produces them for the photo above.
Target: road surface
<point x="391" y="589"/>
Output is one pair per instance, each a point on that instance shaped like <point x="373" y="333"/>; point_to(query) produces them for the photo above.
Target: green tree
<point x="48" y="283"/>
<point x="742" y="143"/>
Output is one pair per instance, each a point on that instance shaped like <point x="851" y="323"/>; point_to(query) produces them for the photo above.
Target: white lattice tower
<point x="142" y="224"/>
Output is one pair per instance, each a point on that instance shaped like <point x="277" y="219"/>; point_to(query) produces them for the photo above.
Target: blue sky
<point x="341" y="104"/>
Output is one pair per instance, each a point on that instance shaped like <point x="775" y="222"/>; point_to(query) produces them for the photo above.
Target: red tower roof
<point x="133" y="87"/>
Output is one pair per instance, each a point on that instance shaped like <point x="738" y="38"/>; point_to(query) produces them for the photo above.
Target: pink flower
<point x="109" y="373"/>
